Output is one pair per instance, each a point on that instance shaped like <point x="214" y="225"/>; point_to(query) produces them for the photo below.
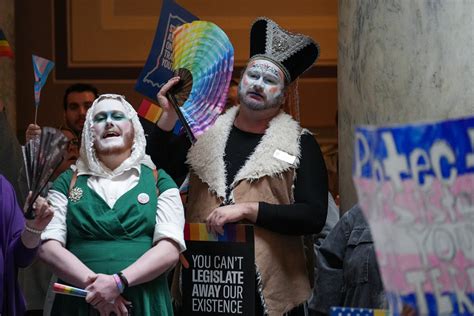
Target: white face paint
<point x="111" y="128"/>
<point x="262" y="85"/>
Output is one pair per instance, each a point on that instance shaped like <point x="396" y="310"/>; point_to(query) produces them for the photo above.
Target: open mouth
<point x="256" y="95"/>
<point x="109" y="134"/>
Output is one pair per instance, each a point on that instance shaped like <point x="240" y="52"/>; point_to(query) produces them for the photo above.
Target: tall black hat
<point x="293" y="53"/>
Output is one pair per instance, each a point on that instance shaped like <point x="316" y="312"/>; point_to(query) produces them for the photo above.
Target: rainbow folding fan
<point x="204" y="59"/>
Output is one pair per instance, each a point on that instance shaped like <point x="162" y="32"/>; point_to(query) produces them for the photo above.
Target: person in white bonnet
<point x="118" y="224"/>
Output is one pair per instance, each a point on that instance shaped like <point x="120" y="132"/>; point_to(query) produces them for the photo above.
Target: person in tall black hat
<point x="257" y="165"/>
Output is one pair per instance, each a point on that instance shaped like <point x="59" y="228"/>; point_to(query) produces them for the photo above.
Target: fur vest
<point x="280" y="259"/>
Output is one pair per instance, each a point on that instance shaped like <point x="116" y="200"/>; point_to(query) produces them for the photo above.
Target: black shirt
<point x="240" y="145"/>
<point x="307" y="215"/>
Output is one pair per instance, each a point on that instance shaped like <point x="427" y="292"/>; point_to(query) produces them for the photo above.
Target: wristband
<point x="32" y="230"/>
<point x="123" y="279"/>
<point x="119" y="283"/>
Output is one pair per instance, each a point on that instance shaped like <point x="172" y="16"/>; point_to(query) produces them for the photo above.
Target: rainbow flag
<point x="42" y="68"/>
<point x="5" y="49"/>
<point x="198" y="232"/>
<point x="69" y="290"/>
<point x="149" y="111"/>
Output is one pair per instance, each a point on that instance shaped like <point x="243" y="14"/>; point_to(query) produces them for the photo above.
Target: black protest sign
<point x="220" y="275"/>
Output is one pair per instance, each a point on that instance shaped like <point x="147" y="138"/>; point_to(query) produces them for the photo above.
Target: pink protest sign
<point x="415" y="184"/>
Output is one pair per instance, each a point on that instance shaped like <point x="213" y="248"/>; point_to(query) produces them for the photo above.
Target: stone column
<point x="401" y="61"/>
<point x="7" y="65"/>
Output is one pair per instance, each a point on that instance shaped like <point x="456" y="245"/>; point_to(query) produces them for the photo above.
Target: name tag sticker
<point x="283" y="156"/>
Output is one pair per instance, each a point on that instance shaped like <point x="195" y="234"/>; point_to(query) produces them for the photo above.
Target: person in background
<point x="71" y="154"/>
<point x="232" y="95"/>
<point x="318" y="239"/>
<point x="77" y="100"/>
<point x="19" y="241"/>
<point x="118" y="226"/>
<point x="348" y="273"/>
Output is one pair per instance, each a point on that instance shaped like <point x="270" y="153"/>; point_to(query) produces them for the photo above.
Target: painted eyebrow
<point x="272" y="76"/>
<point x="265" y="74"/>
<point x="265" y="68"/>
<point x="114" y="112"/>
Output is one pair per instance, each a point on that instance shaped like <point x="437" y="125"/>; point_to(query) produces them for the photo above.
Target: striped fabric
<point x="149" y="111"/>
<point x="198" y="232"/>
<point x="5" y="49"/>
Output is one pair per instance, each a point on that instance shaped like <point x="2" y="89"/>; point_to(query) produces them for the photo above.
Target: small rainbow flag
<point x="5" y="49"/>
<point x="149" y="111"/>
<point x="198" y="232"/>
<point x="69" y="290"/>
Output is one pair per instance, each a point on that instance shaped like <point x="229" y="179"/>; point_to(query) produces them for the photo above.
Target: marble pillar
<point x="7" y="65"/>
<point x="401" y="61"/>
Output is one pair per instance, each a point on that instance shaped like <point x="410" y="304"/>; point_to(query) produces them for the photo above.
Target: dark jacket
<point x="348" y="273"/>
<point x="167" y="150"/>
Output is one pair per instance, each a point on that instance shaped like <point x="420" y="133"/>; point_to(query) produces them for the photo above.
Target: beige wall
<point x="122" y="29"/>
<point x="118" y="34"/>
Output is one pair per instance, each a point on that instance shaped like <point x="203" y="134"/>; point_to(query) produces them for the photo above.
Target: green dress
<point x="108" y="240"/>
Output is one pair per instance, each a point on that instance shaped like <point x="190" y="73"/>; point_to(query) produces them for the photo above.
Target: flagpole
<point x="36" y="113"/>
